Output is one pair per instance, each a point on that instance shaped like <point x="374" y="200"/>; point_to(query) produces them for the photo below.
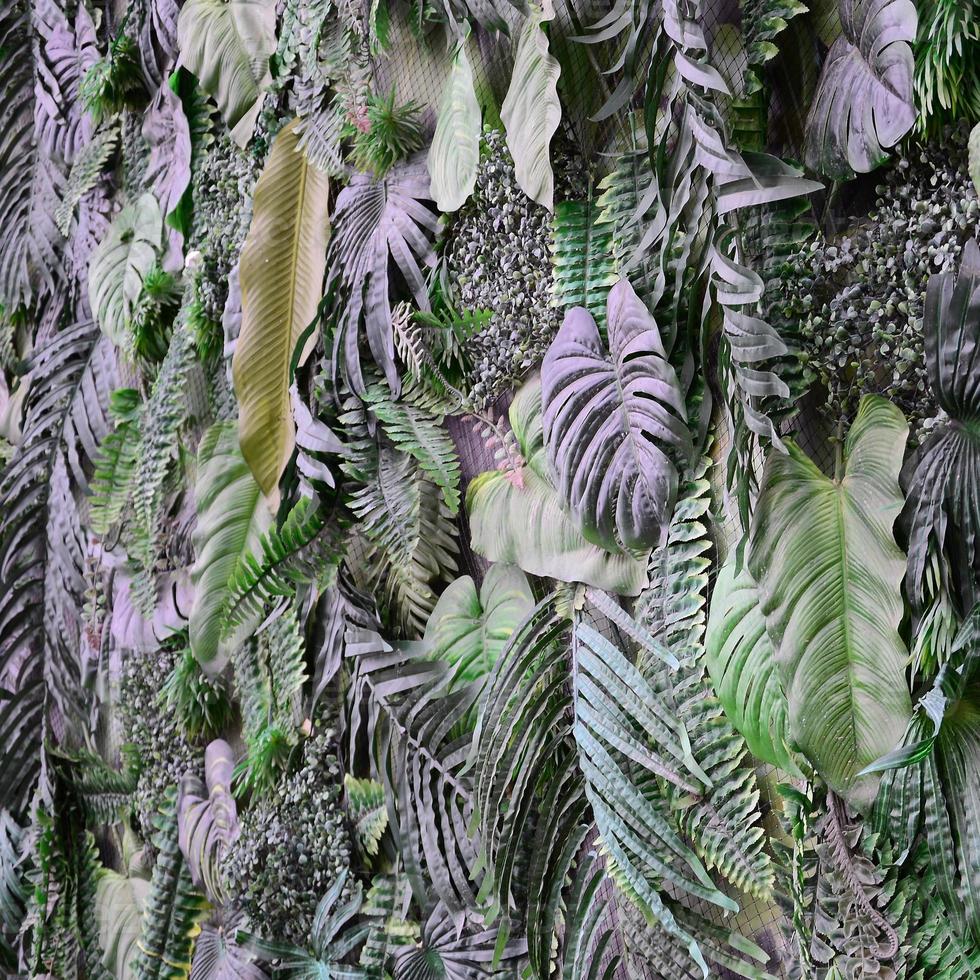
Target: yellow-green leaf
<point x="281" y="274"/>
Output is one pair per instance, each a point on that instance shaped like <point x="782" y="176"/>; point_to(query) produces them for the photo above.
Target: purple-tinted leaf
<point x="207" y="820"/>
<point x="614" y="423"/>
<point x="168" y="136"/>
<point x="64" y="55"/>
<point x="863" y="103"/>
<point x="158" y="39"/>
<point x="217" y="955"/>
<point x="375" y="221"/>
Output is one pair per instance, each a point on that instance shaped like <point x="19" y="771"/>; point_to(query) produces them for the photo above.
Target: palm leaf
<point x="279" y="301"/>
<point x="830" y="592"/>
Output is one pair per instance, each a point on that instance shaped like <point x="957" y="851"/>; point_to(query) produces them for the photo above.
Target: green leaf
<point x="121" y="262"/>
<point x="231" y="517"/>
<point x="830" y="588"/>
<point x="516" y="515"/>
<point x="740" y="659"/>
<point x="281" y="272"/>
<point x="531" y="110"/>
<point x="227" y="45"/>
<point x="469" y="629"/>
<point x="455" y="151"/>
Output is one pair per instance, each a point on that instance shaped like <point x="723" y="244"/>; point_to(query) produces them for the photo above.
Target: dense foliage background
<point x="489" y="489"/>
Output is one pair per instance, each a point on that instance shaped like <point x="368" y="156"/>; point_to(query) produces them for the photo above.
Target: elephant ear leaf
<point x="232" y="516"/>
<point x="740" y="659"/>
<point x="944" y="495"/>
<point x="614" y="424"/>
<point x="830" y="589"/>
<point x="455" y="151"/>
<point x="281" y="274"/>
<point x="863" y="104"/>
<point x="121" y="262"/>
<point x="469" y="629"/>
<point x="207" y="820"/>
<point x="531" y="110"/>
<point x="227" y="45"/>
<point x="516" y="515"/>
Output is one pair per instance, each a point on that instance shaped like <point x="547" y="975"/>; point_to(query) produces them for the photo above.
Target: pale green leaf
<point x="121" y="262"/>
<point x="455" y="151"/>
<point x="227" y="45"/>
<point x="231" y="518"/>
<point x="974" y="146"/>
<point x="281" y="275"/>
<point x="118" y="910"/>
<point x="517" y="517"/>
<point x="829" y="575"/>
<point x="532" y="111"/>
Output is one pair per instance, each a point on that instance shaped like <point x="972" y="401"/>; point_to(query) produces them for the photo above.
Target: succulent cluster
<point x="292" y="846"/>
<point x="498" y="258"/>
<point x="857" y="299"/>
<point x="222" y="193"/>
<point x="164" y="752"/>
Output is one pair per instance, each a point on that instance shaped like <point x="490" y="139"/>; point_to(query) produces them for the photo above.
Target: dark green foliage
<point x="383" y="132"/>
<point x="114" y="82"/>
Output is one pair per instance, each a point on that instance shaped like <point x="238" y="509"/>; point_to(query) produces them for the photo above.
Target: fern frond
<point x="115" y="464"/>
<point x="270" y="671"/>
<point x="366" y="806"/>
<point x="383" y="907"/>
<point x="307" y="548"/>
<point x="421" y="434"/>
<point x="173" y="909"/>
<point x="85" y="173"/>
<point x="582" y="257"/>
<point x="13" y="888"/>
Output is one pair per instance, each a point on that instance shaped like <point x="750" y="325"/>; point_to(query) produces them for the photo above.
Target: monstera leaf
<point x="943" y="506"/>
<point x="120" y="263"/>
<point x="232" y="516"/>
<point x="227" y="45"/>
<point x="379" y="226"/>
<point x="167" y="133"/>
<point x="614" y="423"/>
<point x="455" y="151"/>
<point x="281" y="275"/>
<point x="468" y="629"/>
<point x="207" y="820"/>
<point x="516" y="515"/>
<point x="531" y="110"/>
<point x="740" y="659"/>
<point x="830" y="589"/>
<point x="863" y="103"/>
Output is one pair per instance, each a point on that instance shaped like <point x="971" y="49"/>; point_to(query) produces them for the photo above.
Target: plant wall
<point x="489" y="488"/>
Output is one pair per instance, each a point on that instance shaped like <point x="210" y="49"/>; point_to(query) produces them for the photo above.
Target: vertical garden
<point x="490" y="488"/>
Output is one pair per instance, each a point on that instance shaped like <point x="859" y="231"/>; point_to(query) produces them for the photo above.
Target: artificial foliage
<point x="490" y="489"/>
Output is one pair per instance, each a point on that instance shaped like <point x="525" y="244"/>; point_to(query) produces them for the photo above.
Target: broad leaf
<point x="740" y="659"/>
<point x="614" y="424"/>
<point x="120" y="264"/>
<point x="531" y="110"/>
<point x="281" y="274"/>
<point x="943" y="507"/>
<point x="377" y="223"/>
<point x="118" y="908"/>
<point x="455" y="151"/>
<point x="516" y="515"/>
<point x="227" y="45"/>
<point x="167" y="133"/>
<point x="232" y="515"/>
<point x="468" y="629"/>
<point x="217" y="954"/>
<point x="830" y="589"/>
<point x="207" y="820"/>
<point x="863" y="104"/>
